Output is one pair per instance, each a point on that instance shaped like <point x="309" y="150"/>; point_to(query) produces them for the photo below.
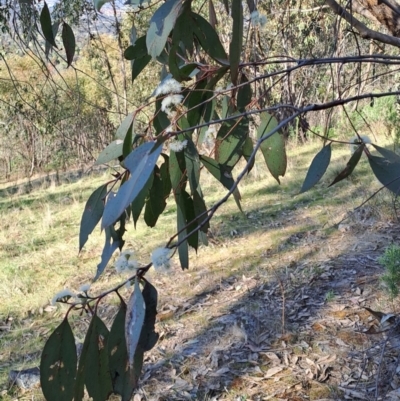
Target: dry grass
<point x="281" y="238"/>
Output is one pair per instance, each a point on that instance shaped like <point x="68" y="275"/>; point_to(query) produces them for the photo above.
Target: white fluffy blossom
<point x="168" y="86"/>
<point x="84" y="287"/>
<point x="211" y="130"/>
<point x="125" y="262"/>
<point x="63" y="295"/>
<point x="355" y="142"/>
<point x="161" y="259"/>
<point x="170" y="101"/>
<point x="257" y="19"/>
<point x="177" y="146"/>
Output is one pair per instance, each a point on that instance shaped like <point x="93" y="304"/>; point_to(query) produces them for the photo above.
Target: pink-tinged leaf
<point x="134" y="321"/>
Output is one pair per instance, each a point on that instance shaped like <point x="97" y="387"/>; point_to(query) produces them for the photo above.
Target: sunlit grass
<point x="39" y="247"/>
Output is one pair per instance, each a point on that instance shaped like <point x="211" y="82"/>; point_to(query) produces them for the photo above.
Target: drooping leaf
<point x="222" y="173"/>
<point x="58" y="364"/>
<point x="192" y="165"/>
<point x="124" y="379"/>
<point x="212" y="14"/>
<point x="136" y="50"/>
<point x="148" y="336"/>
<point x="317" y="168"/>
<point x="387" y="154"/>
<point x="45" y="23"/>
<point x="97" y="375"/>
<point x="111" y="152"/>
<point x="247" y="152"/>
<point x="140" y="163"/>
<point x="165" y="177"/>
<point x="244" y="94"/>
<point x="127" y="145"/>
<point x="68" y="39"/>
<point x="100" y="3"/>
<point x="93" y="368"/>
<point x="138" y="203"/>
<point x="161" y="24"/>
<point x="209" y="39"/>
<point x="350" y="166"/>
<point x="112" y="242"/>
<point x="183" y="248"/>
<point x="273" y="148"/>
<point x="195" y="102"/>
<point x="155" y="203"/>
<point x="200" y="209"/>
<point x="190" y="217"/>
<point x="235" y="47"/>
<point x="134" y="320"/>
<point x="48" y="46"/>
<point x="388" y="173"/>
<point x="177" y="167"/>
<point x="124" y="127"/>
<point x="92" y="214"/>
<point x="230" y="139"/>
<point x="161" y="121"/>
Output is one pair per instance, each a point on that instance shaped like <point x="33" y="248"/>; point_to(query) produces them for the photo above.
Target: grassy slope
<point x="38" y="249"/>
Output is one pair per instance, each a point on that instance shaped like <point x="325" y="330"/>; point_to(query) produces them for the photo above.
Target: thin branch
<point x="362" y="29"/>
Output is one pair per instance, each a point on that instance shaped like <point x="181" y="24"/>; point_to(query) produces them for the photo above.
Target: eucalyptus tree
<point x="218" y="81"/>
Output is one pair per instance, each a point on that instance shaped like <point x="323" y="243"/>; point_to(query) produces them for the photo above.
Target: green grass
<point x="39" y="246"/>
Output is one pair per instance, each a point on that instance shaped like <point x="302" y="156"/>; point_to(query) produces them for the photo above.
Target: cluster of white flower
<point x="167" y="86"/>
<point x="355" y="142"/>
<point x="211" y="131"/>
<point x="161" y="259"/>
<point x="170" y="101"/>
<point x="177" y="146"/>
<point x="125" y="262"/>
<point x="66" y="294"/>
<point x="63" y="295"/>
<point x="257" y="19"/>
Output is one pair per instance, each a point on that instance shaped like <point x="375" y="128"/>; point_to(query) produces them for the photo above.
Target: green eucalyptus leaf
<point x="112" y="242"/>
<point x="235" y="47"/>
<point x="58" y="364"/>
<point x="139" y="202"/>
<point x="134" y="320"/>
<point x="387" y="172"/>
<point x="48" y="46"/>
<point x="387" y="154"/>
<point x="45" y="23"/>
<point x="124" y="378"/>
<point x="230" y="139"/>
<point x="183" y="248"/>
<point x="140" y="163"/>
<point x="127" y="145"/>
<point x="92" y="214"/>
<point x="155" y="203"/>
<point x="244" y="94"/>
<point x="124" y="127"/>
<point x="247" y="150"/>
<point x="161" y="24"/>
<point x="317" y="168"/>
<point x="148" y="336"/>
<point x="111" y="152"/>
<point x="222" y="173"/>
<point x="209" y="39"/>
<point x="273" y="148"/>
<point x="97" y="375"/>
<point x="350" y="166"/>
<point x="68" y="39"/>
